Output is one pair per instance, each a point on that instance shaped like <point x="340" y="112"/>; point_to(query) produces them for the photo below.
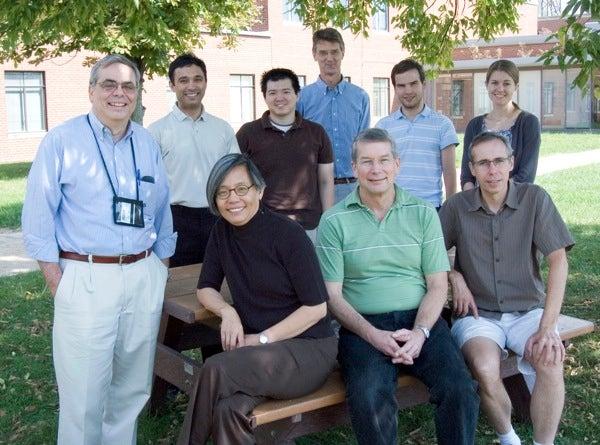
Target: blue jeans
<point x="370" y="378"/>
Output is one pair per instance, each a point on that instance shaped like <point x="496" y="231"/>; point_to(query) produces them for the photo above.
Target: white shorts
<point x="510" y="332"/>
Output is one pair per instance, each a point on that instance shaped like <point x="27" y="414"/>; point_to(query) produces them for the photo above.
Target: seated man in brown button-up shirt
<point x="499" y="230"/>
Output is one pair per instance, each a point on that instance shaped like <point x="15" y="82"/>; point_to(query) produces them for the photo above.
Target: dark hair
<point x="328" y="34"/>
<point x="487" y="136"/>
<point x="185" y="60"/>
<point x="222" y="168"/>
<point x="279" y="74"/>
<point x="505" y="66"/>
<point x="407" y="65"/>
<point x="373" y="135"/>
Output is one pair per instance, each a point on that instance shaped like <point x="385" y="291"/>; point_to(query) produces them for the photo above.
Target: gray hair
<point x="486" y="136"/>
<point x="222" y="169"/>
<point x="373" y="135"/>
<point x="111" y="59"/>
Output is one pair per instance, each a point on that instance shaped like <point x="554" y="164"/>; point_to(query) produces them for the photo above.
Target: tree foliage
<point x="148" y="31"/>
<point x="578" y="44"/>
<point x="429" y="29"/>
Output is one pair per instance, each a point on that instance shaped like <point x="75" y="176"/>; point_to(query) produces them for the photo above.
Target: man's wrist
<point x="423" y="330"/>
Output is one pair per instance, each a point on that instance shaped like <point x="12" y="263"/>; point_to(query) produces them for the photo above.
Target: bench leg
<point x="519" y="396"/>
<point x="168" y="334"/>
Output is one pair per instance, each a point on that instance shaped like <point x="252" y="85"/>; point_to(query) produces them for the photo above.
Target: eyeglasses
<point x="487" y="163"/>
<point x="240" y="190"/>
<point x="110" y="86"/>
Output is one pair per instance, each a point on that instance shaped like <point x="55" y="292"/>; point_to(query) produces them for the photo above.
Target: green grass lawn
<point x="555" y="142"/>
<point x="28" y="398"/>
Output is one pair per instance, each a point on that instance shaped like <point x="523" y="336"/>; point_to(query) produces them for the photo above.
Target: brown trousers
<point x="231" y="384"/>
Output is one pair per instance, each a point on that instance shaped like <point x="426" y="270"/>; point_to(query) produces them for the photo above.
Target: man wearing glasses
<point x="96" y="216"/>
<point x="499" y="228"/>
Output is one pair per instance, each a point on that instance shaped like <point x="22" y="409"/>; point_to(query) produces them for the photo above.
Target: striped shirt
<point x="420" y="143"/>
<point x="382" y="264"/>
<point x="498" y="253"/>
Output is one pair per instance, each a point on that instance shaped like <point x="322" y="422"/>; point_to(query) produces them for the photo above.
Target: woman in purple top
<point x="522" y="129"/>
<point x="277" y="339"/>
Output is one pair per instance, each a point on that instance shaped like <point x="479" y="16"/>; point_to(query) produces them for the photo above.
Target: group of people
<point x="307" y="213"/>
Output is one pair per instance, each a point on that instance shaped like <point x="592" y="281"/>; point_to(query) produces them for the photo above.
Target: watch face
<point x="263" y="339"/>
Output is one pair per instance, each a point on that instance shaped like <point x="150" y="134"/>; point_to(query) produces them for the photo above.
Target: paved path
<point x="13" y="258"/>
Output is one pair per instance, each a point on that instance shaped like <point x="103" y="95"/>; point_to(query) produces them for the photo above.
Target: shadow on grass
<point x="14" y="171"/>
<point x="10" y="215"/>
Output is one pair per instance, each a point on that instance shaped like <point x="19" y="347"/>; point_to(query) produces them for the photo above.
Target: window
<point x="289" y="12"/>
<point x="381" y="97"/>
<point x="548" y="98"/>
<point x="25" y="101"/>
<point x="551" y="8"/>
<point x="456" y="98"/>
<point x="241" y="97"/>
<point x="302" y="81"/>
<point x="380" y="19"/>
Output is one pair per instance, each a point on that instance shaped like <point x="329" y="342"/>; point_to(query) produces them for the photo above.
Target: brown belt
<point x="344" y="180"/>
<point x="119" y="259"/>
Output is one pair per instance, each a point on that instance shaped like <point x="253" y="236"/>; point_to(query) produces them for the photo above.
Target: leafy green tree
<point x="150" y="32"/>
<point x="578" y="44"/>
<point x="429" y="29"/>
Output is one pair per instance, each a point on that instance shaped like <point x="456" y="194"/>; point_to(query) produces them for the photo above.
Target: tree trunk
<point x="138" y="114"/>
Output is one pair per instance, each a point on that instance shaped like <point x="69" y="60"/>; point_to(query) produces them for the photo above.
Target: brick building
<point x="34" y="99"/>
<point x="543" y="90"/>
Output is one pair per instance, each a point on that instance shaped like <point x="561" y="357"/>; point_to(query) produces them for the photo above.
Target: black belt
<point x="344" y="180"/>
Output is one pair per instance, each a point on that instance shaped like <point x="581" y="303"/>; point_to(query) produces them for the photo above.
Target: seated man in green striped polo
<point x="385" y="267"/>
<point x="499" y="229"/>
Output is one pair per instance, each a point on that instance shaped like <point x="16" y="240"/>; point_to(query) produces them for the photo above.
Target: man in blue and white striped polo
<point x="425" y="139"/>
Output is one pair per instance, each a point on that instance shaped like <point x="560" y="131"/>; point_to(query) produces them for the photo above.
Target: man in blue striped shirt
<point x="426" y="140"/>
<point x="96" y="216"/>
<point x="337" y="105"/>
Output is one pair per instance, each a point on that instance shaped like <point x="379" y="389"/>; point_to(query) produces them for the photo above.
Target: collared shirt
<point x="498" y="253"/>
<point x="289" y="163"/>
<point x="343" y="111"/>
<point x="382" y="264"/>
<point x="190" y="149"/>
<point x="69" y="202"/>
<point x="420" y="143"/>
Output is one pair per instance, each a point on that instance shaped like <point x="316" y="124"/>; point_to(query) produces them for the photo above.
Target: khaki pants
<point x="232" y="383"/>
<point x="106" y="320"/>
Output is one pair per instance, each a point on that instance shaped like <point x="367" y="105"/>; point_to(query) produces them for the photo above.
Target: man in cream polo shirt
<point x="191" y="141"/>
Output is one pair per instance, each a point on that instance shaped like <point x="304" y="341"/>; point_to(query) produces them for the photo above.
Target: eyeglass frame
<point x="487" y="163"/>
<point x="234" y="189"/>
<point x="128" y="88"/>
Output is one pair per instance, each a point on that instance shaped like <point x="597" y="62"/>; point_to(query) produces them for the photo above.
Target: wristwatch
<point x="423" y="329"/>
<point x="263" y="339"/>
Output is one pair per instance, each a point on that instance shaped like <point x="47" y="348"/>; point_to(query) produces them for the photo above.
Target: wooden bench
<point x="186" y="325"/>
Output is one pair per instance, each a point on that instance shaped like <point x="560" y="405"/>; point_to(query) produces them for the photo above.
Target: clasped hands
<point x="403" y="345"/>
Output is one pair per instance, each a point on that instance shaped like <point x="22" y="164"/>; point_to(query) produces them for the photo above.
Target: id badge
<point x="128" y="212"/>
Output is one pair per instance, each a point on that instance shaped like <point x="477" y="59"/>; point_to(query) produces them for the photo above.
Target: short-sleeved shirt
<point x="420" y="143"/>
<point x="190" y="149"/>
<point x="271" y="269"/>
<point x="289" y="161"/>
<point x="343" y="111"/>
<point x="498" y="254"/>
<point x="382" y="264"/>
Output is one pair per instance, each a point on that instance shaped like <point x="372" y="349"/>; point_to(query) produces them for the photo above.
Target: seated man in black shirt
<point x="277" y="339"/>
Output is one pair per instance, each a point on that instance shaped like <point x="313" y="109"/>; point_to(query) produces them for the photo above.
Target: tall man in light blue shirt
<point x="339" y="106"/>
<point x="96" y="217"/>
<point x="426" y="140"/>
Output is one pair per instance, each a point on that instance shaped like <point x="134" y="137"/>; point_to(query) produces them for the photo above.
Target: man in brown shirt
<point x="499" y="230"/>
<point x="293" y="154"/>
